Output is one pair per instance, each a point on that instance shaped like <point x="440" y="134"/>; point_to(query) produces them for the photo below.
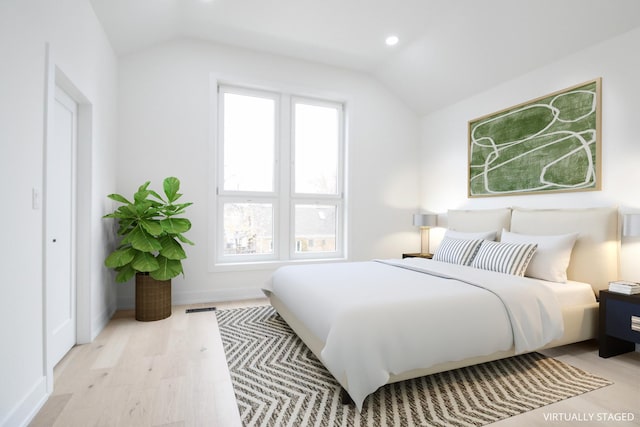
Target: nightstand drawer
<point x="619" y="320"/>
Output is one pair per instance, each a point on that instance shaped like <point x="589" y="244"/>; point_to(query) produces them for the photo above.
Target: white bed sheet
<point x="378" y="319"/>
<point x="572" y="293"/>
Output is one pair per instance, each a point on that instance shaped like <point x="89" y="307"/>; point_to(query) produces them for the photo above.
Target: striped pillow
<point x="457" y="251"/>
<point x="509" y="258"/>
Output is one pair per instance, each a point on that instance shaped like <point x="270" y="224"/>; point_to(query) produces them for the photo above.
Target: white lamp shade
<point x="631" y="225"/>
<point x="425" y="220"/>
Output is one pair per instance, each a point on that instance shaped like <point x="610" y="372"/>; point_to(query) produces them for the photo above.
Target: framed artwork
<point x="548" y="144"/>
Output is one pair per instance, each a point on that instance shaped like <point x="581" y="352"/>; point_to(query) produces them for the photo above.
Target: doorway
<point x="60" y="226"/>
<point x="67" y="184"/>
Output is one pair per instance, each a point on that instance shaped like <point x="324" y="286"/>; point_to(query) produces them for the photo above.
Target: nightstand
<point x="619" y="327"/>
<point x="417" y="255"/>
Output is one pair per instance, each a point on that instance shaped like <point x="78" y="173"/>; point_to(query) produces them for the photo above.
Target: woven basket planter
<point x="153" y="298"/>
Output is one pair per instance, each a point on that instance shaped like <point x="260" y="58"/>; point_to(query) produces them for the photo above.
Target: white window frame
<point x="336" y="200"/>
<point x="283" y="196"/>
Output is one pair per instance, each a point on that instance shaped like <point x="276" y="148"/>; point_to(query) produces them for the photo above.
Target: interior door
<point x="59" y="223"/>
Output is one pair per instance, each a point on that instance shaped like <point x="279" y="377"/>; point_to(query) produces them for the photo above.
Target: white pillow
<point x="509" y="258"/>
<point x="484" y="235"/>
<point x="552" y="257"/>
<point x="457" y="251"/>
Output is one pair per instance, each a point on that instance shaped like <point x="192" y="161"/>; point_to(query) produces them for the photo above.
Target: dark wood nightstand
<point x="417" y="255"/>
<point x="618" y="332"/>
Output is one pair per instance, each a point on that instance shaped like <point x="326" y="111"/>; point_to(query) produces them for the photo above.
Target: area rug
<point x="279" y="382"/>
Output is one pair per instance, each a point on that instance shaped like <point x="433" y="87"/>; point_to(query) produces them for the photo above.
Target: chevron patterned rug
<point x="279" y="382"/>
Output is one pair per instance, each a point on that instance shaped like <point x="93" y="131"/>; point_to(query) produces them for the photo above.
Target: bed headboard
<point x="480" y="220"/>
<point x="595" y="256"/>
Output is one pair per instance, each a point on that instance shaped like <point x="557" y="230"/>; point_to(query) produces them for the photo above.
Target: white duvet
<point x="388" y="317"/>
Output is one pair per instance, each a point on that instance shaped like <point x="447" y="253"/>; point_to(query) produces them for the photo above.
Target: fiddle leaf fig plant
<point x="151" y="231"/>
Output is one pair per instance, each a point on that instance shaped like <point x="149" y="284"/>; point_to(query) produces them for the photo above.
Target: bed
<point x="382" y="321"/>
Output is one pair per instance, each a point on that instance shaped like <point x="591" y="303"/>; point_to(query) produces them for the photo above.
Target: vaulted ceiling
<point x="448" y="49"/>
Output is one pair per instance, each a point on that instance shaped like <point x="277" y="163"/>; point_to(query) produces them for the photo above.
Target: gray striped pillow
<point x="457" y="251"/>
<point x="510" y="258"/>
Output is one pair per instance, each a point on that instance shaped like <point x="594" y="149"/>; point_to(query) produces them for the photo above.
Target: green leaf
<point x="126" y="224"/>
<point x="119" y="198"/>
<point x="169" y="268"/>
<point x="171" y="248"/>
<point x="144" y="209"/>
<point x="125" y="274"/>
<point x="129" y="211"/>
<point x="140" y="196"/>
<point x="143" y="241"/>
<point x="157" y="196"/>
<point x="172" y="210"/>
<point x="142" y="193"/>
<point x="145" y="262"/>
<point x="122" y="212"/>
<point x="171" y="186"/>
<point x="152" y="227"/>
<point x="184" y="239"/>
<point x="176" y="225"/>
<point x="120" y="257"/>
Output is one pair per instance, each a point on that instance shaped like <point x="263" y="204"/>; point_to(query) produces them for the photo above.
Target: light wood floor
<point x="173" y="372"/>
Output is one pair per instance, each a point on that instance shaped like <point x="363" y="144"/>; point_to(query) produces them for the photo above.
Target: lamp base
<point x="417" y="255"/>
<point x="424" y="240"/>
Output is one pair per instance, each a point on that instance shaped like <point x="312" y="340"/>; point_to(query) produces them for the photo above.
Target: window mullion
<point x="285" y="171"/>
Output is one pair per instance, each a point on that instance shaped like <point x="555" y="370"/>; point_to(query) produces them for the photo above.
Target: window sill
<point x="267" y="265"/>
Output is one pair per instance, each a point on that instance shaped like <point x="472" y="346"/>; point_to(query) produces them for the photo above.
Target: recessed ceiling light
<point x="392" y="40"/>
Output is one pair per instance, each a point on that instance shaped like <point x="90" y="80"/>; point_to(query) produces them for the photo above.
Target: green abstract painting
<point x="547" y="144"/>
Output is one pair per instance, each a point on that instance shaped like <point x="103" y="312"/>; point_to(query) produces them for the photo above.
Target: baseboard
<point x="27" y="408"/>
<point x="200" y="297"/>
<point x="100" y="321"/>
<point x="216" y="296"/>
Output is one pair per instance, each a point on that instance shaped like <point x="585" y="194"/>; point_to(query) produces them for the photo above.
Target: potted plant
<point x="150" y="248"/>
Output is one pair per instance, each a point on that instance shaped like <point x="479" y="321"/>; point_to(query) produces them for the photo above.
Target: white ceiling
<point x="448" y="50"/>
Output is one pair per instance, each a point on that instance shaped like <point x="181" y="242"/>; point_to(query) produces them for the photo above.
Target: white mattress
<point x="572" y="293"/>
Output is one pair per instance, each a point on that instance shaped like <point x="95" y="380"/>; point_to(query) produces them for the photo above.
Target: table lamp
<point x="425" y="221"/>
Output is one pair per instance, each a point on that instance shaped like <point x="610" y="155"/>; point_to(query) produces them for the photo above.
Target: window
<point x="280" y="177"/>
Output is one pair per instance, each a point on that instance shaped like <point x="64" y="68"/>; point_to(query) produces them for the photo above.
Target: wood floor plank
<point x="173" y="373"/>
<point x="51" y="410"/>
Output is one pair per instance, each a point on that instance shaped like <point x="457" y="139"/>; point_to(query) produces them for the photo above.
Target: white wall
<point x="165" y="129"/>
<point x="445" y="140"/>
<point x="80" y="50"/>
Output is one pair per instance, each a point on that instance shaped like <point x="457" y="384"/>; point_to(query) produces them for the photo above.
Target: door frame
<point x="81" y="226"/>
